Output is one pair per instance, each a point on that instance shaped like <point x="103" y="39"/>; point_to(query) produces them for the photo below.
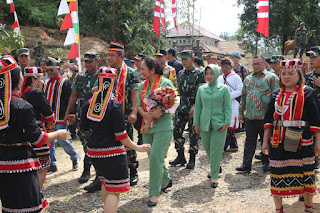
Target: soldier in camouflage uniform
<point x="197" y="50"/>
<point x="189" y="80"/>
<point x="174" y="46"/>
<point x="81" y="93"/>
<point x="300" y="37"/>
<point x="127" y="79"/>
<point x="38" y="53"/>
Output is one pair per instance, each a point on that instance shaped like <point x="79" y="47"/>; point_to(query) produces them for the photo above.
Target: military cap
<point x="116" y="47"/>
<point x="236" y="54"/>
<point x="186" y="54"/>
<point x="315" y="51"/>
<point x="23" y="51"/>
<point x="198" y="39"/>
<point x="174" y="41"/>
<point x="139" y="56"/>
<point x="302" y="23"/>
<point x="211" y="56"/>
<point x="226" y="60"/>
<point x="91" y="56"/>
<point x="160" y="52"/>
<point x="276" y="58"/>
<point x="40" y="42"/>
<point x="52" y="63"/>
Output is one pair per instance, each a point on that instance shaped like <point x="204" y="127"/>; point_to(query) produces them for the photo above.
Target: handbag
<point x="292" y="139"/>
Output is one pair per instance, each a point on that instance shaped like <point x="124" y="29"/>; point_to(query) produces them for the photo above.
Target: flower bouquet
<point x="165" y="97"/>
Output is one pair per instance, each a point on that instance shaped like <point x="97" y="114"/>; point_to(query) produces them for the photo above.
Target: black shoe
<point x="94" y="186"/>
<point x="168" y="186"/>
<point x="84" y="177"/>
<point x="76" y="163"/>
<point x="317" y="164"/>
<point x="180" y="160"/>
<point x="243" y="169"/>
<point x="214" y="184"/>
<point x="192" y="162"/>
<point x="266" y="167"/>
<point x="258" y="156"/>
<point x="209" y="174"/>
<point x="53" y="169"/>
<point x="133" y="176"/>
<point x="134" y="180"/>
<point x="151" y="204"/>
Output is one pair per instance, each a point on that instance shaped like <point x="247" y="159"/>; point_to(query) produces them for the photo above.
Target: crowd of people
<point x="279" y="101"/>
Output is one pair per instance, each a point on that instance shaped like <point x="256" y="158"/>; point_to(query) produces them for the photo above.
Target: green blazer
<point x="213" y="107"/>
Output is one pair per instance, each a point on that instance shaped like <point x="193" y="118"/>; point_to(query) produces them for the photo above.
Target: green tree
<point x="284" y="19"/>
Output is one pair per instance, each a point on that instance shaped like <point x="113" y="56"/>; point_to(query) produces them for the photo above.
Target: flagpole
<point x="160" y="27"/>
<point x="79" y="61"/>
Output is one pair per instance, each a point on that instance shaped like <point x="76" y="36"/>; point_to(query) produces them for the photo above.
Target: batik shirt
<point x="256" y="94"/>
<point x="188" y="83"/>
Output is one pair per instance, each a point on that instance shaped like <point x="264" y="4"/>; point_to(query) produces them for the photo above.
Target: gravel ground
<point x="191" y="191"/>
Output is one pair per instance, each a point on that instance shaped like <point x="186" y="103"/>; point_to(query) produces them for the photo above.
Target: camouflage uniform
<point x="188" y="84"/>
<point x="197" y="51"/>
<point x="39" y="53"/>
<point x="83" y="83"/>
<point x="132" y="83"/>
<point x="301" y="39"/>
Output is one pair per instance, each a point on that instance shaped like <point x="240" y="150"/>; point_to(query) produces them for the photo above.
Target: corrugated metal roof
<point x="185" y="30"/>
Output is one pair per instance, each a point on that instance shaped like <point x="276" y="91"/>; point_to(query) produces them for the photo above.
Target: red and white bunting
<point x="15" y="25"/>
<point x="174" y="13"/>
<point x="156" y="22"/>
<point x="263" y="17"/>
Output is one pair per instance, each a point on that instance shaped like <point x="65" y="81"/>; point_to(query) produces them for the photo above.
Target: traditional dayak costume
<point x="42" y="110"/>
<point x="58" y="91"/>
<point x="19" y="184"/>
<point x="293" y="117"/>
<point x="103" y="117"/>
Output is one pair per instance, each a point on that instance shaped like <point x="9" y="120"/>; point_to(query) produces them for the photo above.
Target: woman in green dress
<point x="212" y="116"/>
<point x="160" y="133"/>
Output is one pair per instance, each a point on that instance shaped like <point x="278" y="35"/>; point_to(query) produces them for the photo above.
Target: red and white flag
<point x="263" y="17"/>
<point x="156" y="21"/>
<point x="174" y="13"/>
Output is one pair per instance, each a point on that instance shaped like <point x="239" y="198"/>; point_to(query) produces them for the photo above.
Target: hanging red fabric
<point x="263" y="17"/>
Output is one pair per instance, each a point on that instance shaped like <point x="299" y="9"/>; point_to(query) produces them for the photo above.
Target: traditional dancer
<point x="19" y="183"/>
<point x="57" y="91"/>
<point x="32" y="92"/>
<point x="103" y="117"/>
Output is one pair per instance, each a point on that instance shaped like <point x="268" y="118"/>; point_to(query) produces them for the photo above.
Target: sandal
<point x="280" y="210"/>
<point x="308" y="207"/>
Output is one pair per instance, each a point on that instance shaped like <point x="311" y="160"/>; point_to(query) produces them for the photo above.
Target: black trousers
<point x="253" y="128"/>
